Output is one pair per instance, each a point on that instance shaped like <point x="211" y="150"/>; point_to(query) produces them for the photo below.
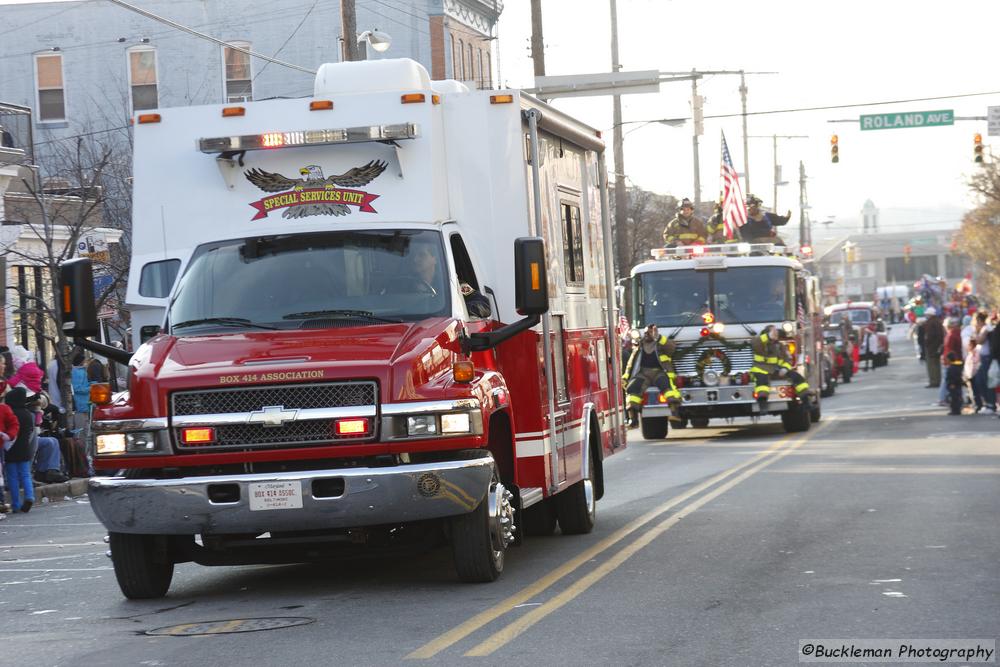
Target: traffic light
<point x="977" y="147"/>
<point x="907" y="249"/>
<point x="835" y="149"/>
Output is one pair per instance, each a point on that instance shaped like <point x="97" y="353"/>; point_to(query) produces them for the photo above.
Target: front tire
<point x="577" y="505"/>
<point x="479" y="539"/>
<point x="143" y="566"/>
<point x="699" y="422"/>
<point x="655" y="428"/>
<point x="796" y="419"/>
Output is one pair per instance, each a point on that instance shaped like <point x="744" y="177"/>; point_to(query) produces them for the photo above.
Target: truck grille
<point x="685" y="360"/>
<point x="300" y="396"/>
<point x="245" y="401"/>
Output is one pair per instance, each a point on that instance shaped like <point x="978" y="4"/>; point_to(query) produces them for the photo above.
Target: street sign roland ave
<point x="993" y="121"/>
<point x="891" y="121"/>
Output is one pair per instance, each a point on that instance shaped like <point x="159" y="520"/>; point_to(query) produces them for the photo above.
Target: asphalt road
<point x="718" y="546"/>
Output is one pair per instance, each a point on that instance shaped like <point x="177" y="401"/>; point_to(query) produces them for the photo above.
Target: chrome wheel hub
<point x="501" y="517"/>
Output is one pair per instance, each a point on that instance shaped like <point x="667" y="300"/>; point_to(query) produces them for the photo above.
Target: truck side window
<point x="157" y="278"/>
<point x="572" y="243"/>
<point x="476" y="302"/>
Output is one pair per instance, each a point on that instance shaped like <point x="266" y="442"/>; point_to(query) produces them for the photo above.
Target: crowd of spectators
<point x="42" y="431"/>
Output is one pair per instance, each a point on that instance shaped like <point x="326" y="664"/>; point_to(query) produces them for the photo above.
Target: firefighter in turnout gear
<point x="651" y="363"/>
<point x="686" y="228"/>
<point x="771" y="360"/>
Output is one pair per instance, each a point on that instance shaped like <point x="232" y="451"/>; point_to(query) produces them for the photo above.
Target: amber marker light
<point x="413" y="98"/>
<point x="100" y="393"/>
<point x="321" y="105"/>
<point x="149" y="118"/>
<point x="463" y="371"/>
<point x="229" y="112"/>
<point x="355" y="426"/>
<point x="197" y="436"/>
<point x="501" y="99"/>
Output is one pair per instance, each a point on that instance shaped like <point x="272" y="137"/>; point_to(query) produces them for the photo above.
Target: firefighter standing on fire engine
<point x="686" y="228"/>
<point x="771" y="360"/>
<point x="651" y="363"/>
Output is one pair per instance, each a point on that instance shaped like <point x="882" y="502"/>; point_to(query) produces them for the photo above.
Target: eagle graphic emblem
<point x="314" y="193"/>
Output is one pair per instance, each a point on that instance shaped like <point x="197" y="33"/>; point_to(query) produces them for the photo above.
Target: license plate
<point x="275" y="496"/>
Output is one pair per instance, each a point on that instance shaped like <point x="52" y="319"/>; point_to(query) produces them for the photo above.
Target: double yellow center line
<point x="735" y="475"/>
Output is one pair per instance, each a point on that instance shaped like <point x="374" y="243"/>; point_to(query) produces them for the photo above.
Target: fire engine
<point x="375" y="316"/>
<point x="712" y="301"/>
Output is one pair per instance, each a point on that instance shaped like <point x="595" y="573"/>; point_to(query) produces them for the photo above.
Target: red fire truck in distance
<point x="392" y="317"/>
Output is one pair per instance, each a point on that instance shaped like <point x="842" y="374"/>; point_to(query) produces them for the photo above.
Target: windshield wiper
<point x="689" y="320"/>
<point x="224" y="322"/>
<point x="348" y="314"/>
<point x="728" y="309"/>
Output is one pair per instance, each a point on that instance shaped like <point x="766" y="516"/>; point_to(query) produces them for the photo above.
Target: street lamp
<point x="377" y="39"/>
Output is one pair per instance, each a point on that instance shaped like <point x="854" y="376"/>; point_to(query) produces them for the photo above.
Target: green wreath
<point x="707" y="357"/>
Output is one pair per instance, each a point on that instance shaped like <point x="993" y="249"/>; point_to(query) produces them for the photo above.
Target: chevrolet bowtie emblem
<point x="272" y="415"/>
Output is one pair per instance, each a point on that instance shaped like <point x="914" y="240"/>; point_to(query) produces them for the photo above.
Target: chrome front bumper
<point x="722" y="398"/>
<point x="370" y="496"/>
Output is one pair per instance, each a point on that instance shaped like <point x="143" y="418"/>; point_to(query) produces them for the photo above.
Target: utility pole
<point x="777" y="169"/>
<point x="537" y="41"/>
<point x="621" y="200"/>
<point x="696" y="118"/>
<point x="746" y="146"/>
<point x="349" y="30"/>
<point x="805" y="231"/>
<point x="697" y="115"/>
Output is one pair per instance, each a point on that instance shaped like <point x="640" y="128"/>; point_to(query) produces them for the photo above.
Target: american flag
<point x="734" y="212"/>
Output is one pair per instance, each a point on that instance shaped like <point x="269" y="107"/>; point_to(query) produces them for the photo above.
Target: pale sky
<point x="848" y="52"/>
<point x="827" y="53"/>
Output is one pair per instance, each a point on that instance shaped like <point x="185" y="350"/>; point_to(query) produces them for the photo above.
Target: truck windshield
<point x="312" y="280"/>
<point x="737" y="294"/>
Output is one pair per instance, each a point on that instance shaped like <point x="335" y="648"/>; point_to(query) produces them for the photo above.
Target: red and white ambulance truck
<point x="378" y="314"/>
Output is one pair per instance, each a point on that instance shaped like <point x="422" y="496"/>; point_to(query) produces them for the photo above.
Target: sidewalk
<point x="73" y="487"/>
<point x="55" y="492"/>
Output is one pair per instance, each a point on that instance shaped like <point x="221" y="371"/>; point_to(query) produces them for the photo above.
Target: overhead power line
<point x="220" y="42"/>
<point x="822" y="108"/>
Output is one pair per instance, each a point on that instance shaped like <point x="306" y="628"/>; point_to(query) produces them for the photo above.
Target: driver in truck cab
<point x="771" y="360"/>
<point x="651" y="363"/>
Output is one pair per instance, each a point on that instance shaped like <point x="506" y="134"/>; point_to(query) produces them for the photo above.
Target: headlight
<point x="137" y="442"/>
<point x="456" y="423"/>
<point x="421" y="425"/>
<point x="788" y="328"/>
<point x="718" y="328"/>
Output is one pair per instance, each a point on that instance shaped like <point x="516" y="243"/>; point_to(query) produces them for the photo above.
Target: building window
<point x="896" y="268"/>
<point x="572" y="244"/>
<point x="956" y="266"/>
<point x="454" y="57"/>
<point x="470" y="73"/>
<point x="51" y="100"/>
<point x="460" y="63"/>
<point x="239" y="87"/>
<point x="489" y="71"/>
<point x="142" y="78"/>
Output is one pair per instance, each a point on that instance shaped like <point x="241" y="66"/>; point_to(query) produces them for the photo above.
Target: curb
<point x="72" y="488"/>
